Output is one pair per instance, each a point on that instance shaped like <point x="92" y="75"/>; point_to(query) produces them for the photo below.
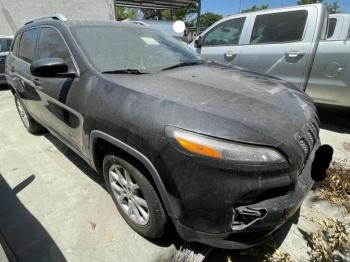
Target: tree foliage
<point x="333" y="7"/>
<point x="123" y="13"/>
<point x="255" y="8"/>
<point x="179" y="14"/>
<point x="208" y="18"/>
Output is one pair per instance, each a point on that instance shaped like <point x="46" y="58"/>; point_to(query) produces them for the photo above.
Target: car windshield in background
<point x="5" y="44"/>
<point x="132" y="49"/>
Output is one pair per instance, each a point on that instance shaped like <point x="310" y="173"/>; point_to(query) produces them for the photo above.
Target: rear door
<point x="329" y="82"/>
<point x="283" y="42"/>
<point x="222" y="41"/>
<point x="60" y="94"/>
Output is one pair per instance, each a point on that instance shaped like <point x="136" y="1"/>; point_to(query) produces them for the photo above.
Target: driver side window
<point x="51" y="45"/>
<point x="225" y="33"/>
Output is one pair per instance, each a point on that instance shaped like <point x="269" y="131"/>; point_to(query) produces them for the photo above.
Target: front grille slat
<point x="304" y="146"/>
<point x="311" y="137"/>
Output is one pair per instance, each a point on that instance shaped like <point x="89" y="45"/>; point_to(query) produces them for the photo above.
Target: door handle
<point x="229" y="56"/>
<point x="295" y="54"/>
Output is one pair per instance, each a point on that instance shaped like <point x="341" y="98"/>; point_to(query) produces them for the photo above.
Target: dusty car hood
<point x="254" y="102"/>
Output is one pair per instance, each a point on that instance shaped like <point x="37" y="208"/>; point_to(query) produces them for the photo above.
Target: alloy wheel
<point x="128" y="195"/>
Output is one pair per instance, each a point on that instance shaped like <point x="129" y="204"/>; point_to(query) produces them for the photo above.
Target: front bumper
<point x="207" y="218"/>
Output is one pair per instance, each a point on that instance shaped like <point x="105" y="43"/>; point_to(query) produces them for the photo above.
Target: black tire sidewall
<point x="157" y="217"/>
<point x="33" y="127"/>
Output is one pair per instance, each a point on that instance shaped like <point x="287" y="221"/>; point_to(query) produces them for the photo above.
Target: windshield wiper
<point x="181" y="64"/>
<point x="125" y="71"/>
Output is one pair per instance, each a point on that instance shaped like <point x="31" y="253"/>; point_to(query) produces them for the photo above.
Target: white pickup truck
<point x="301" y="44"/>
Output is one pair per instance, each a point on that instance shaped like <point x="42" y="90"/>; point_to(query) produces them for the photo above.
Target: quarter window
<point x="279" y="27"/>
<point x="226" y="33"/>
<point x="51" y="45"/>
<point x="27" y="45"/>
<point x="15" y="45"/>
<point x="331" y="27"/>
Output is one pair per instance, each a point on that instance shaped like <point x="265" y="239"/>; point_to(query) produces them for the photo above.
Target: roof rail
<point x="60" y="17"/>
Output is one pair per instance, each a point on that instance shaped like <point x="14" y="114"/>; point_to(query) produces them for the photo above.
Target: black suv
<point x="222" y="153"/>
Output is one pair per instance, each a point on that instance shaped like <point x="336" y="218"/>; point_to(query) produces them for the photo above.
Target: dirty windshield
<point x="113" y="48"/>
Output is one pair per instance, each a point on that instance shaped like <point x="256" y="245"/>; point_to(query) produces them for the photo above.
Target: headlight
<point x="219" y="149"/>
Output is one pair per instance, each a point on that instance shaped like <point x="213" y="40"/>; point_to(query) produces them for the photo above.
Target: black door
<point x="22" y="76"/>
<point x="59" y="93"/>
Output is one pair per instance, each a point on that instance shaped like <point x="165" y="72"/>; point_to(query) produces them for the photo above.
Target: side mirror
<point x="47" y="67"/>
<point x="198" y="42"/>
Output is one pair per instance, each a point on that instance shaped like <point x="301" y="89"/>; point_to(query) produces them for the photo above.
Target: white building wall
<point x="14" y="13"/>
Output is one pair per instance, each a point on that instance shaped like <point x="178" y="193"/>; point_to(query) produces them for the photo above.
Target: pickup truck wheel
<point x="134" y="196"/>
<point x="29" y="123"/>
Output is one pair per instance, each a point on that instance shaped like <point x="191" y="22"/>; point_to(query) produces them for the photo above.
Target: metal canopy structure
<point x="155" y="4"/>
<point x="161" y="5"/>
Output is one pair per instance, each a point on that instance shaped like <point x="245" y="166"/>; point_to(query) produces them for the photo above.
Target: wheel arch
<point x="97" y="136"/>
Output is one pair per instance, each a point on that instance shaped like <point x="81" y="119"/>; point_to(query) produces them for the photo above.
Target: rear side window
<point x="279" y="27"/>
<point x="331" y="27"/>
<point x="27" y="45"/>
<point x="225" y="33"/>
<point x="51" y="45"/>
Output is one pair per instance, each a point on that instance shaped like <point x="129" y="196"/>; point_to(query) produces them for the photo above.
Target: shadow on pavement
<point x="334" y="118"/>
<point x="258" y="253"/>
<point x="21" y="234"/>
<point x="76" y="160"/>
<point x="4" y="87"/>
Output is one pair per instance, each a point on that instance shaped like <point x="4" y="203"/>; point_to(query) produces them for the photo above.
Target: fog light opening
<point x="244" y="217"/>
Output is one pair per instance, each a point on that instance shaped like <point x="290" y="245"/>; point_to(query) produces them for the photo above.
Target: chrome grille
<point x="316" y="128"/>
<point x="302" y="143"/>
<point x="309" y="137"/>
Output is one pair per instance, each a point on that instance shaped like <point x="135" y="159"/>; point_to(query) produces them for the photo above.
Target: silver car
<point x="289" y="43"/>
<point x="5" y="43"/>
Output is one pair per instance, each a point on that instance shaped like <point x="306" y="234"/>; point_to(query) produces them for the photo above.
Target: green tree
<point x="208" y="18"/>
<point x="255" y="8"/>
<point x="123" y="13"/>
<point x="332" y="8"/>
<point x="185" y="14"/>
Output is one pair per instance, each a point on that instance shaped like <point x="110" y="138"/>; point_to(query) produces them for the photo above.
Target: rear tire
<point x="29" y="123"/>
<point x="134" y="196"/>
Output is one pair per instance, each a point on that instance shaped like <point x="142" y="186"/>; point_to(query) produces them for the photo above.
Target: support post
<point x="115" y="12"/>
<point x="198" y="16"/>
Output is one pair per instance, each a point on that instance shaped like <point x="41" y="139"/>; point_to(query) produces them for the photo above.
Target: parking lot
<point x="54" y="207"/>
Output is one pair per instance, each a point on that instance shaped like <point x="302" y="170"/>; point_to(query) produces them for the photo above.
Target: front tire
<point x="134" y="196"/>
<point x="29" y="123"/>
